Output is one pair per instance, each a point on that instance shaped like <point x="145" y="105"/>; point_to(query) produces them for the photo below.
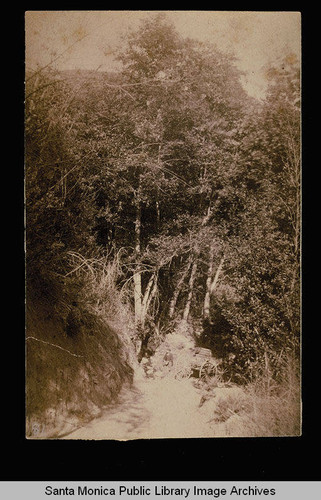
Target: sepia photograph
<point x="162" y="186"/>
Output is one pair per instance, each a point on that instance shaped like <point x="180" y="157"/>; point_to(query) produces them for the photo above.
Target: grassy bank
<point x="262" y="408"/>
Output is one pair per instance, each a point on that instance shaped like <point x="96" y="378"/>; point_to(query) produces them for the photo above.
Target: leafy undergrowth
<point x="75" y="366"/>
<point x="262" y="408"/>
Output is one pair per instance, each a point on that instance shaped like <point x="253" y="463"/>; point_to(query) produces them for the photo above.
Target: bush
<point x="262" y="408"/>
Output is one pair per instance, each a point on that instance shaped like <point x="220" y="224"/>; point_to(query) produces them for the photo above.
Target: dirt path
<point x="152" y="408"/>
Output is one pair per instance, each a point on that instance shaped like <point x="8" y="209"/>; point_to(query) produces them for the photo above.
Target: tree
<point x="262" y="260"/>
<point x="187" y="127"/>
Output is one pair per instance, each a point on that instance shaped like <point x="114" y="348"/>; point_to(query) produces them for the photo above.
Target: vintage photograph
<point x="163" y="221"/>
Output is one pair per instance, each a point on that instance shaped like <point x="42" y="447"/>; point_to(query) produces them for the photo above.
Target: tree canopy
<point x="170" y="165"/>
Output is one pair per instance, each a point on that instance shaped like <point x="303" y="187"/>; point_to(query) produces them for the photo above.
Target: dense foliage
<point x="193" y="186"/>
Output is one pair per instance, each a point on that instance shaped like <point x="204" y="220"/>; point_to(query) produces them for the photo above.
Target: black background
<point x="221" y="459"/>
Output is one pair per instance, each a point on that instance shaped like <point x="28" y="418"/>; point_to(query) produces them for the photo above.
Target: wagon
<point x="200" y="364"/>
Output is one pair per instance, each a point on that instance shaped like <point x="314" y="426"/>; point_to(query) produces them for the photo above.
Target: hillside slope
<point x="74" y="366"/>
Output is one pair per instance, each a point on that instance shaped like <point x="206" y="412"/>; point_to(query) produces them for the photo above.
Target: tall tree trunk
<point x="149" y="294"/>
<point x="207" y="299"/>
<point x="186" y="312"/>
<point x="211" y="283"/>
<point x="190" y="290"/>
<point x="137" y="275"/>
<point x="178" y="290"/>
<point x="217" y="274"/>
